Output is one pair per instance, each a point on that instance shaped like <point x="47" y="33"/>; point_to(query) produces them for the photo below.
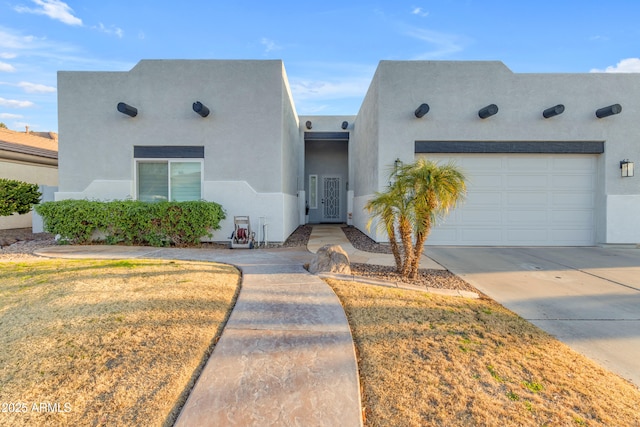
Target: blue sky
<point x="330" y="48"/>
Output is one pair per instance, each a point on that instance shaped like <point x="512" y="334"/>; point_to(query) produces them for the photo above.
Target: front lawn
<point x="429" y="360"/>
<point x="106" y="342"/>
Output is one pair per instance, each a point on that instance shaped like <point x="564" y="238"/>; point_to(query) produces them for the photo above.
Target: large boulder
<point x="330" y="259"/>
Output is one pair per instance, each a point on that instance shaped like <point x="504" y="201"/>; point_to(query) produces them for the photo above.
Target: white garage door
<point x="521" y="200"/>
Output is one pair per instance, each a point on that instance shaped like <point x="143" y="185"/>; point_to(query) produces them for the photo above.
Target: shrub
<point x="17" y="197"/>
<point x="132" y="222"/>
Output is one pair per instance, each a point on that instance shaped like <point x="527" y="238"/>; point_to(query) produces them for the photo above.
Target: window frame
<point x="168" y="161"/>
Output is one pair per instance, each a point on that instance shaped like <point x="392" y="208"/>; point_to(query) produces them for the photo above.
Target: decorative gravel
<point x="20" y="243"/>
<point x="299" y="238"/>
<point x="362" y="242"/>
<point x="442" y="279"/>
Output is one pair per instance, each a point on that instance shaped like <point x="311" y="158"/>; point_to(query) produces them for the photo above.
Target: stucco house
<point x="29" y="157"/>
<point x="544" y="153"/>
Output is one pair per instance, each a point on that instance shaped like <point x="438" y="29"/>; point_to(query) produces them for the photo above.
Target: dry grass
<point x="106" y="342"/>
<point x="438" y="361"/>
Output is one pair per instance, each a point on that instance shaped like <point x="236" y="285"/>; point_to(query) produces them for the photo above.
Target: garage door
<point x="521" y="200"/>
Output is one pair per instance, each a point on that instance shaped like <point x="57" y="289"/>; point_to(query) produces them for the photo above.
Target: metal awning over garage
<point x="521" y="199"/>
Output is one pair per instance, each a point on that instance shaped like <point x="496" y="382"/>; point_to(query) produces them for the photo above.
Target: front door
<point x="331" y="199"/>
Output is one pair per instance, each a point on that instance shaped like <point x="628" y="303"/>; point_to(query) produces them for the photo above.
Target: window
<point x="313" y="191"/>
<point x="175" y="180"/>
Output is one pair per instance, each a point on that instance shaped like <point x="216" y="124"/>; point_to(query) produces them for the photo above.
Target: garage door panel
<point x="445" y="235"/>
<point x="563" y="199"/>
<point x="478" y="216"/>
<point x="482" y="198"/>
<point x="573" y="181"/>
<point x="577" y="163"/>
<point x="527" y="182"/>
<point x="533" y="217"/>
<point x="470" y="165"/>
<point x="486" y="181"/>
<point x="577" y="218"/>
<point x="572" y="237"/>
<point x="529" y="198"/>
<point x="517" y="164"/>
<point x="482" y="236"/>
<point x="532" y="236"/>
<point x="522" y="199"/>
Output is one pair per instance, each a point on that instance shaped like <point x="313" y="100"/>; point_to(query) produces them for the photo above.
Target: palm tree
<point x="418" y="196"/>
<point x="436" y="189"/>
<point x="383" y="205"/>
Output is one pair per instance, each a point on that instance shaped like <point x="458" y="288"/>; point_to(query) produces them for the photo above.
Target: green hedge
<point x="132" y="222"/>
<point x="17" y="196"/>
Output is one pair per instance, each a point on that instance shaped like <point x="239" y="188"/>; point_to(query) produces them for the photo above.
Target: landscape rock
<point x="330" y="259"/>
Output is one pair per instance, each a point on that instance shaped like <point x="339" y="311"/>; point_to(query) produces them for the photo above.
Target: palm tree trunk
<point x="407" y="243"/>
<point x="395" y="249"/>
<point x="421" y="238"/>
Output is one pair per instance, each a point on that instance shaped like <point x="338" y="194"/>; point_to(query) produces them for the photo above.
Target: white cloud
<point x="7" y="55"/>
<point x="9" y="116"/>
<point x="56" y="52"/>
<point x="112" y="30"/>
<point x="269" y="45"/>
<point x="322" y="81"/>
<point x="36" y="88"/>
<point x="629" y="65"/>
<point x="12" y="103"/>
<point x="54" y="9"/>
<point x="419" y="11"/>
<point x="328" y="89"/>
<point x="7" y="68"/>
<point x="22" y="125"/>
<point x="442" y="44"/>
<point x="10" y="40"/>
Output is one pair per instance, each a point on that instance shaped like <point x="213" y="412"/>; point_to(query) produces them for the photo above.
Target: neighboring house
<point x="30" y="157"/>
<point x="533" y="178"/>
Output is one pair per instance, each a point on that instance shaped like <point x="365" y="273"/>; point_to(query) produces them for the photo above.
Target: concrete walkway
<point x="286" y="356"/>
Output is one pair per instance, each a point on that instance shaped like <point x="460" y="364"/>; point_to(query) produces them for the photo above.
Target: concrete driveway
<point x="589" y="298"/>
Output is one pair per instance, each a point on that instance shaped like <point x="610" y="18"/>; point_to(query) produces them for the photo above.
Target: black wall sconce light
<point x="608" y="111"/>
<point x="308" y="124"/>
<point x="127" y="109"/>
<point x="397" y="164"/>
<point x="488" y="111"/>
<point x="421" y="110"/>
<point x="344" y="124"/>
<point x="201" y="109"/>
<point x="626" y="168"/>
<point x="553" y="111"/>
